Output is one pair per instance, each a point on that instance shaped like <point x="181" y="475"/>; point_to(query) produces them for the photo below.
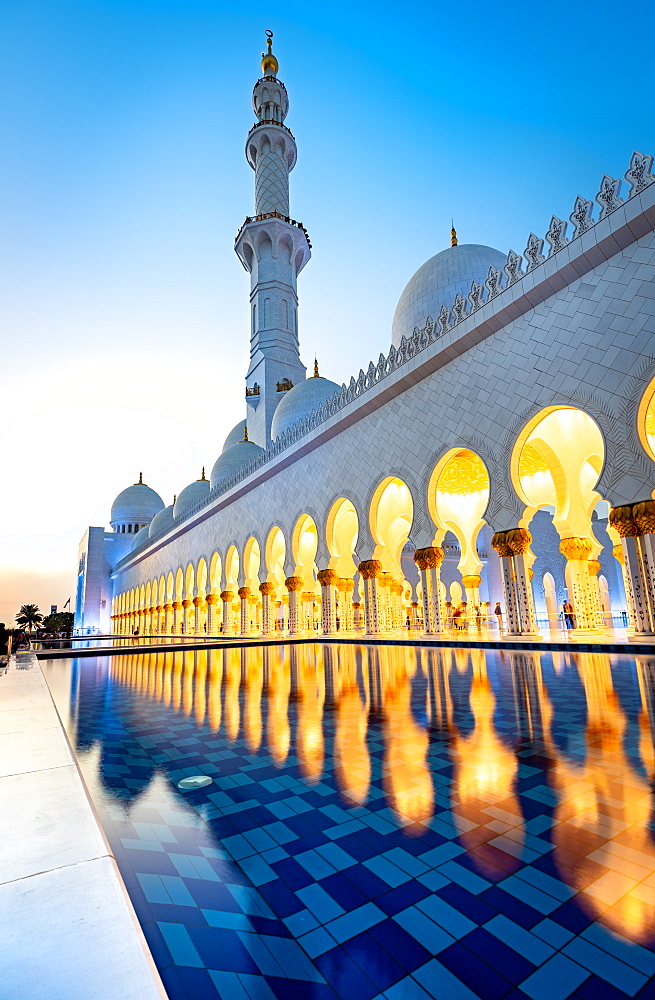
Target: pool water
<point x="388" y="822"/>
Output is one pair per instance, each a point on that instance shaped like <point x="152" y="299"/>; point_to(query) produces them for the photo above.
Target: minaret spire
<point x="274" y="249"/>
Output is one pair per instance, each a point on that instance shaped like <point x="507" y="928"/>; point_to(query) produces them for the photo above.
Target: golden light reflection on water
<point x="481" y="715"/>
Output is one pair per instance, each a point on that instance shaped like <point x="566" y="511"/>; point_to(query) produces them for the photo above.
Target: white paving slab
<point x="47" y="823"/>
<point x="71" y="934"/>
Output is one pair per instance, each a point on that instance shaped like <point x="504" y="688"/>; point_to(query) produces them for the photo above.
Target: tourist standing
<point x="498" y="611"/>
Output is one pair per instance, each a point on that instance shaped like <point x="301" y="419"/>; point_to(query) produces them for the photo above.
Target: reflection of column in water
<point x="278" y="730"/>
<point x="187" y="684"/>
<point x="529" y="695"/>
<point x="215" y="683"/>
<point x="352" y="761"/>
<point x="484" y="775"/>
<point x="200" y="685"/>
<point x="407" y="779"/>
<point x="166" y="685"/>
<point x="177" y="679"/>
<point x="252" y="705"/>
<point x="310" y="700"/>
<point x="436" y="664"/>
<point x="231" y="707"/>
<point x="606" y="805"/>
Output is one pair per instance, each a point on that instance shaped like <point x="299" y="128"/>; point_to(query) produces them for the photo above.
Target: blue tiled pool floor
<point x="391" y="823"/>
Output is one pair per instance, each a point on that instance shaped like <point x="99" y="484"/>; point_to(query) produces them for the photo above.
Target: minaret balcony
<point x="278" y="228"/>
<point x="271" y="121"/>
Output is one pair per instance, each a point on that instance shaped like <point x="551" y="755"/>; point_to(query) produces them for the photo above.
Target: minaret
<point x="274" y="249"/>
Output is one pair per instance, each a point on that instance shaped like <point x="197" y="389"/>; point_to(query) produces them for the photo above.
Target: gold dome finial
<point x="453" y="235"/>
<point x="245" y="434"/>
<point x="269" y="62"/>
<point x="202" y="478"/>
<point x="316" y="375"/>
<point x="140" y="482"/>
<point x="174" y="499"/>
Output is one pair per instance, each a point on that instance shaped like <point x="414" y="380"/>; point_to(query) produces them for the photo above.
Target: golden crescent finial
<point x="269" y="62"/>
<point x="316" y="375"/>
<point x="453" y="235"/>
<point x="245" y="433"/>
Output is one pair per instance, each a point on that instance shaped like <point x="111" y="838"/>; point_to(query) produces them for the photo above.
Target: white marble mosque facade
<point x="504" y="448"/>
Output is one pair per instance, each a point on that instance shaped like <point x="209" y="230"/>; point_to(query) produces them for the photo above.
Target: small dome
<point x="161" y="522"/>
<point x="233" y="459"/>
<point x="300" y="401"/>
<point x="137" y="504"/>
<point x="237" y="434"/>
<point x="140" y="538"/>
<point x="437" y="282"/>
<point x="190" y="496"/>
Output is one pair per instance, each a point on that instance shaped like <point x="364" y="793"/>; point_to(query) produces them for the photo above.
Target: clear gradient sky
<point x="123" y="308"/>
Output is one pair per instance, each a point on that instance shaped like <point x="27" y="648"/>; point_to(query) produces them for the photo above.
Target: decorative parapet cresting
<point x="638" y="177"/>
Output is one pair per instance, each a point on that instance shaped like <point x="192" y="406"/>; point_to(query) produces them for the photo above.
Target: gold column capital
<point x="177" y="605"/>
<point x="227" y="595"/>
<point x="243" y="592"/>
<point x="186" y="603"/>
<point x="346" y="585"/>
<point x="471" y="582"/>
<point x="267" y="589"/>
<point x="327" y="577"/>
<point x="617" y="552"/>
<point x="370" y="568"/>
<point x="593" y="566"/>
<point x="211" y="598"/>
<point x="198" y="602"/>
<point x="644" y="515"/>
<point x="519" y="540"/>
<point x="293" y="583"/>
<point x="575" y="548"/>
<point x="623" y="519"/>
<point x="429" y="558"/>
<point x="500" y="543"/>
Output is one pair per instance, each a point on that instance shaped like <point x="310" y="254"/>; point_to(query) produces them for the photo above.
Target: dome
<point x="137" y="504"/>
<point x="237" y="434"/>
<point x="191" y="496"/>
<point x="161" y="522"/>
<point x="437" y="282"/>
<point x="140" y="538"/>
<point x="233" y="459"/>
<point x="300" y="401"/>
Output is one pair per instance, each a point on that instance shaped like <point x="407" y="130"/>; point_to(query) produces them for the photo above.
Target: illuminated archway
<point x="391" y="515"/>
<point x="646" y="420"/>
<point x="556" y="463"/>
<point x="458" y="494"/>
<point x="304" y="544"/>
<point x="341" y="533"/>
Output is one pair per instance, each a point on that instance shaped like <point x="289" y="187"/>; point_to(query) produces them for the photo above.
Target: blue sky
<point x="124" y="311"/>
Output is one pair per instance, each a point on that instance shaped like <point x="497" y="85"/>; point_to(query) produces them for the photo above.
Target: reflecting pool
<point x="387" y="821"/>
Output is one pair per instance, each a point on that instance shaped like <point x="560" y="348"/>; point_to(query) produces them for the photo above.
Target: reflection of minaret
<point x="274" y="249"/>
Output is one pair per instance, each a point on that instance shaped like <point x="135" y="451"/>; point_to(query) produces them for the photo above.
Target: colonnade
<point x="350" y="574"/>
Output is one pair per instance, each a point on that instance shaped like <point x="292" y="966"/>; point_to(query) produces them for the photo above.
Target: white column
<point x="370" y="570"/>
<point x="328" y="580"/>
<point x="294" y="586"/>
<point x="429" y="562"/>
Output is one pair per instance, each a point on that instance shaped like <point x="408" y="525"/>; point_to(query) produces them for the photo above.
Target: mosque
<point x="503" y="449"/>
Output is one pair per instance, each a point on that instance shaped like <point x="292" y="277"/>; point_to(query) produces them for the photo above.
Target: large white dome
<point x="140" y="538"/>
<point x="191" y="495"/>
<point x="233" y="459"/>
<point x="237" y="434"/>
<point x="300" y="401"/>
<point x="437" y="282"/>
<point x="161" y="522"/>
<point x="137" y="504"/>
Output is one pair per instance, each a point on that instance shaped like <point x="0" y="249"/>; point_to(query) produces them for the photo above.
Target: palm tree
<point x="28" y="617"/>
